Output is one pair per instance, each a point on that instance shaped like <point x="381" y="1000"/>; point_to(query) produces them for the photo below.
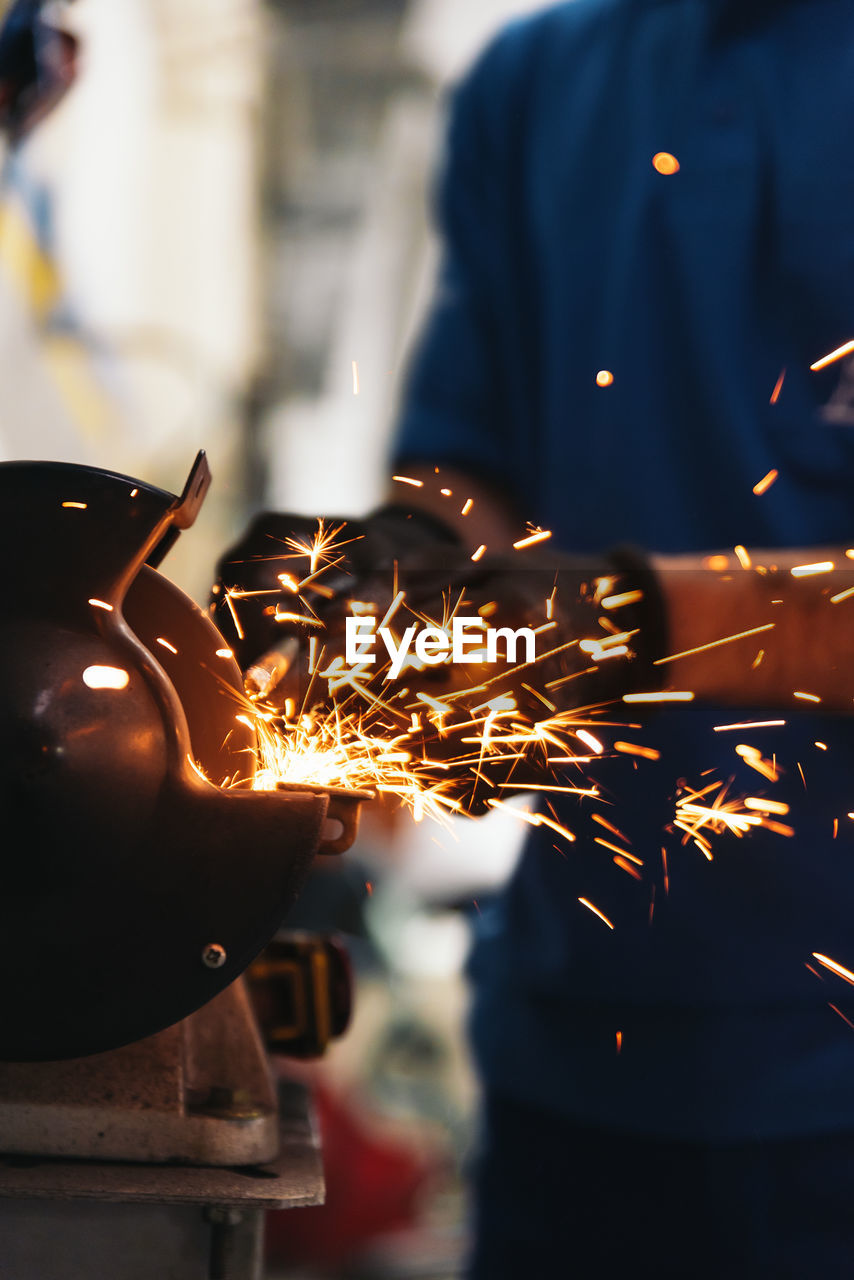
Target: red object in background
<point x="373" y="1187"/>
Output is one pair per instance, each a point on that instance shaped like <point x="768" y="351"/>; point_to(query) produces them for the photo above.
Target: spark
<point x="619" y="1037"/>
<point x="742" y="556"/>
<point x="842" y="595"/>
<point x="834" y="966"/>
<point x="535" y="536"/>
<point x="807" y="570"/>
<point x="694" y="814"/>
<point x="754" y="758"/>
<point x="663" y="695"/>
<point x="766" y="806"/>
<point x="837" y="354"/>
<point x="476" y="555"/>
<point x="166" y="644"/>
<point x="841" y="1014"/>
<point x="416" y="484"/>
<point x="621" y="861"/>
<point x="635" y="749"/>
<point x="79" y="506"/>
<point x="534" y="819"/>
<point x="621" y="599"/>
<point x="604" y="378"/>
<point x="716" y="563"/>
<point x="607" y="844"/>
<point x="589" y="740"/>
<point x="775" y="394"/>
<point x="467" y="506"/>
<point x="197" y="769"/>
<point x="134" y="492"/>
<point x="749" y="724"/>
<point x="609" y="826"/>
<point x="590" y="907"/>
<point x="713" y="644"/>
<point x="225" y="653"/>
<point x="665" y="163"/>
<point x="100" y="604"/>
<point x="806" y="697"/>
<point x="763" y="485"/>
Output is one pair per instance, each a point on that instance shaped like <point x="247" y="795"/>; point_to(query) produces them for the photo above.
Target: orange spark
<point x="476" y="555"/>
<point x="537" y="535"/>
<point x="609" y="826"/>
<point x="806" y="697"/>
<point x="754" y="758"/>
<point x="635" y="749"/>
<point x="416" y="484"/>
<point x="844" y="350"/>
<point x="622" y="598"/>
<point x="166" y="644"/>
<point x="663" y="695"/>
<point x="834" y="966"/>
<point x="604" y="378"/>
<point x="763" y="485"/>
<point x="778" y="387"/>
<point x="80" y="506"/>
<point x="713" y="644"/>
<point x="590" y="907"/>
<point x="749" y="724"/>
<point x="766" y="806"/>
<point x="100" y="604"/>
<point x="807" y="570"/>
<point x="665" y="163"/>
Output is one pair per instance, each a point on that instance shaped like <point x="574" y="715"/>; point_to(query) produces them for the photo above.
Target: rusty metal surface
<point x="293" y="1179"/>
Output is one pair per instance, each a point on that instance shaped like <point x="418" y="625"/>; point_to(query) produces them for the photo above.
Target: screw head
<point x="213" y="955"/>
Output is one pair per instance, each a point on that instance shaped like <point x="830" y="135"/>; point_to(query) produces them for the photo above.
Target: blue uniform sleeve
<point x="454" y="406"/>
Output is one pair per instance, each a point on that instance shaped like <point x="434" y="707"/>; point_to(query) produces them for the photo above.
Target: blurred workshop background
<point x="220" y="239"/>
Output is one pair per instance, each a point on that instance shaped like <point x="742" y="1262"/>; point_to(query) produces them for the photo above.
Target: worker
<point x="641" y="335"/>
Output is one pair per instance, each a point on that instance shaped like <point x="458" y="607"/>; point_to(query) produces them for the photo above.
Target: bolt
<point x="213" y="955"/>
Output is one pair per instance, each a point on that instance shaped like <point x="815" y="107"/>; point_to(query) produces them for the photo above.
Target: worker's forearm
<point x="804" y="647"/>
<point x="800" y="634"/>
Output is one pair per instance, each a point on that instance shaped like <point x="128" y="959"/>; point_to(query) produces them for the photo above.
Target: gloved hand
<point x="291" y="577"/>
<point x="495" y="726"/>
<point x="591" y="634"/>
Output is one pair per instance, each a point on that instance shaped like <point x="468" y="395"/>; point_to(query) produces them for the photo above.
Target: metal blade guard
<point x="133" y="889"/>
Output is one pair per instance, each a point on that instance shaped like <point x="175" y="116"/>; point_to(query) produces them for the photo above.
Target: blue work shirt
<point x="567" y="253"/>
